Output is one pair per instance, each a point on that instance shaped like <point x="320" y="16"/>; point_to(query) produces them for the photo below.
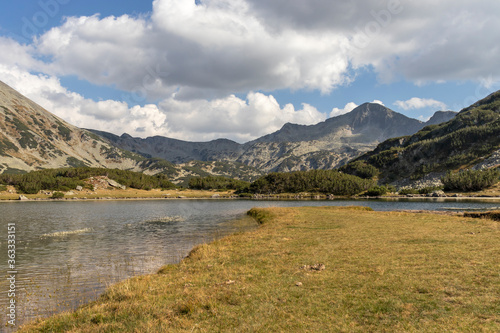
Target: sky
<point x="239" y="69"/>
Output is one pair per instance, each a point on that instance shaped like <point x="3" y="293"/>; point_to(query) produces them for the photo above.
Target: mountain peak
<point x="440" y="117"/>
<point x="371" y="110"/>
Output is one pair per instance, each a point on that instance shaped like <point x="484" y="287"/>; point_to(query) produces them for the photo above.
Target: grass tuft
<point x="260" y="215"/>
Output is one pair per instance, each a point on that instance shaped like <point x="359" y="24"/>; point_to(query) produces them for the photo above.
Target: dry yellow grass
<point x="384" y="272"/>
<point x="129" y="193"/>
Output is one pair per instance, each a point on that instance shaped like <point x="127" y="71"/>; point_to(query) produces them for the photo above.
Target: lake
<point x="68" y="252"/>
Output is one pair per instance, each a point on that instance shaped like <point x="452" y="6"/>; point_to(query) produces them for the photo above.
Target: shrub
<point x="376" y="191"/>
<point x="360" y="169"/>
<point x="391" y="188"/>
<point x="320" y="181"/>
<point x="217" y="183"/>
<point x="429" y="189"/>
<point x="470" y="180"/>
<point x="57" y="195"/>
<point x="406" y="191"/>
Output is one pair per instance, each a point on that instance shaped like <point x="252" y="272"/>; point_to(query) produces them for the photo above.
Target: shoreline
<point x="278" y="197"/>
<point x="207" y="285"/>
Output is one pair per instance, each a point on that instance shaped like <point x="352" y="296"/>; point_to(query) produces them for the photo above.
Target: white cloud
<point x="347" y="108"/>
<point x="233" y="118"/>
<point x="218" y="48"/>
<point x="109" y="115"/>
<point x="195" y="120"/>
<point x="420" y="103"/>
<point x="194" y="58"/>
<point x="416" y="40"/>
<point x="424" y="119"/>
<point x="378" y="102"/>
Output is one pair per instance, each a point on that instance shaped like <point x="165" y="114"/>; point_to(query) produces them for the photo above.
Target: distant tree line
<point x="217" y="183"/>
<point x="318" y="181"/>
<point x="470" y="180"/>
<point x="69" y="178"/>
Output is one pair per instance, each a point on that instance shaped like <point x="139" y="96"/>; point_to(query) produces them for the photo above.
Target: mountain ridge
<point x="32" y="138"/>
<point x="470" y="140"/>
<point x="325" y="145"/>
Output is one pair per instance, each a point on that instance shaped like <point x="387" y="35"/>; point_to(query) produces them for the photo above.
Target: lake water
<point x="68" y="252"/>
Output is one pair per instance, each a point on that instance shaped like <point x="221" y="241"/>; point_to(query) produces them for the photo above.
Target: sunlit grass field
<point x="383" y="272"/>
<point x="129" y="193"/>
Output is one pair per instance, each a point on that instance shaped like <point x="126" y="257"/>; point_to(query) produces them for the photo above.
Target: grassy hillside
<point x="462" y="142"/>
<point x="315" y="270"/>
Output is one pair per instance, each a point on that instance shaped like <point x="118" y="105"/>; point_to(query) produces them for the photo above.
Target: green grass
<point x="384" y="272"/>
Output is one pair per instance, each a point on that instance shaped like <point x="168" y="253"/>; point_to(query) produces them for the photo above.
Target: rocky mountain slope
<point x="32" y="138"/>
<point x="294" y="147"/>
<point x="469" y="140"/>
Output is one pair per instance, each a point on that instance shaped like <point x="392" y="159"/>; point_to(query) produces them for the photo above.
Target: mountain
<point x="470" y="139"/>
<point x="294" y="147"/>
<point x="173" y="150"/>
<point x="365" y="124"/>
<point x="32" y="138"/>
<point x="440" y="117"/>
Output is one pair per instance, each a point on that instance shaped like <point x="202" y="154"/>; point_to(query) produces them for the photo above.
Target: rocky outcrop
<point x="115" y="184"/>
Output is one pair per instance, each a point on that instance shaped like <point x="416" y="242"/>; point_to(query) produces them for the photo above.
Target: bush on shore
<point x="377" y="191"/>
<point x="217" y="183"/>
<point x="470" y="180"/>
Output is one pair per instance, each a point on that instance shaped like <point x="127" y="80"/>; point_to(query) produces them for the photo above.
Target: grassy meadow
<point x="129" y="193"/>
<point x="383" y="272"/>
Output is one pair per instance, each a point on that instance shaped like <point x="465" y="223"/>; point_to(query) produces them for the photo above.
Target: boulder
<point x="113" y="183"/>
<point x="79" y="188"/>
<point x="23" y="198"/>
<point x="438" y="194"/>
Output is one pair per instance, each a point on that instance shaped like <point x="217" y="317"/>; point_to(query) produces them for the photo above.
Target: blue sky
<point x="240" y="69"/>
